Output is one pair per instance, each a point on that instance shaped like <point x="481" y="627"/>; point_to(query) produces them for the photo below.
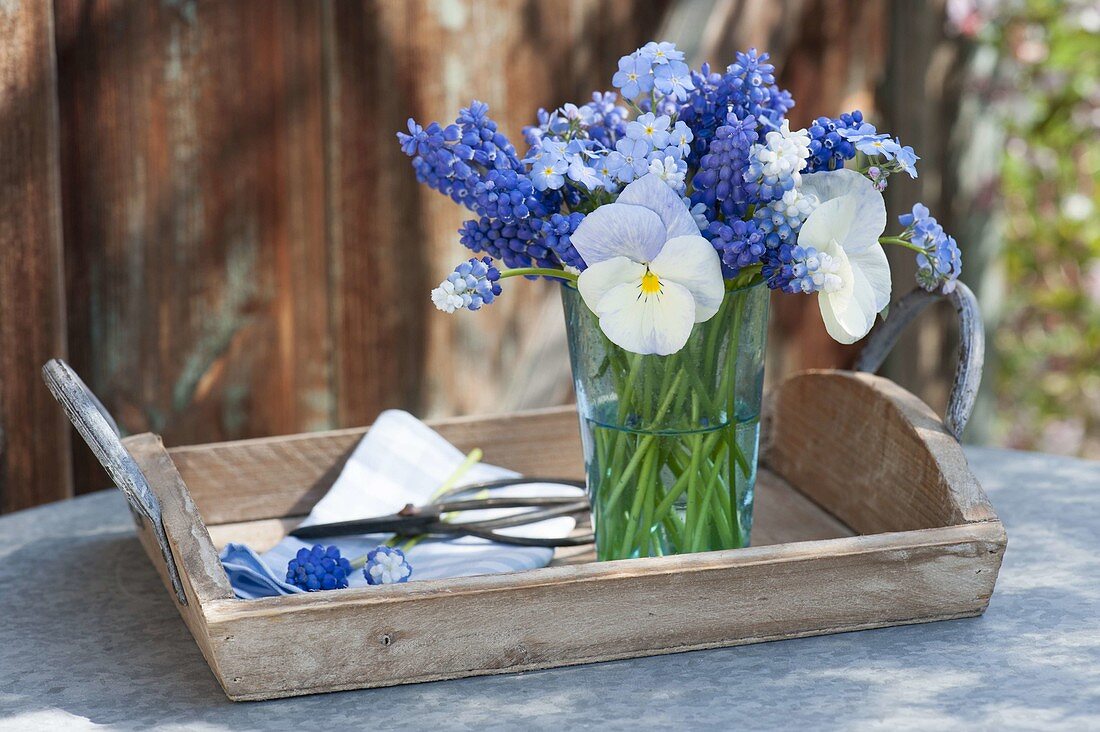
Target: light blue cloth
<point x="399" y="461"/>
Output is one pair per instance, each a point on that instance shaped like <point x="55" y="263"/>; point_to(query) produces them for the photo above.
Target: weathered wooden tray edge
<point x="932" y="553"/>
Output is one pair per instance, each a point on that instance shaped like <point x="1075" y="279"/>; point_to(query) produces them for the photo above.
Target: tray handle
<point x="968" y="370"/>
<point x="100" y="431"/>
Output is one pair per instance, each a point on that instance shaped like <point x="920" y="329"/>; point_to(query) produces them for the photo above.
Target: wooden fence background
<point x="203" y="206"/>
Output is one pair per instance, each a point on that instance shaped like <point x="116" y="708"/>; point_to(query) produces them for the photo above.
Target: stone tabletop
<point x="90" y="639"/>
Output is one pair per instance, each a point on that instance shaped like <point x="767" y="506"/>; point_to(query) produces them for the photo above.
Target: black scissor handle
<point x="427" y="519"/>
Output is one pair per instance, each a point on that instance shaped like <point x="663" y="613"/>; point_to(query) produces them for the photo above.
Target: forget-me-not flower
<point x="634" y="77"/>
<point x="673" y="78"/>
<point x="580" y="172"/>
<point x="681" y="137"/>
<point x="548" y="172"/>
<point x="651" y="128"/>
<point x="661" y="53"/>
<point x="629" y="159"/>
<point x="906" y="159"/>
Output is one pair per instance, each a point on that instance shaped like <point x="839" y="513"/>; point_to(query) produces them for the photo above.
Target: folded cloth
<point x="400" y="461"/>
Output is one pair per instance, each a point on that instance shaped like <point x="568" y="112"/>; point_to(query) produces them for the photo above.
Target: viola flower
<point x="845" y="227"/>
<point x="386" y="565"/>
<point x="650" y="275"/>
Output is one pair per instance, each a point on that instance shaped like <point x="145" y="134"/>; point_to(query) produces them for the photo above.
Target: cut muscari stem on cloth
<point x="407" y="543"/>
<point x="323" y="568"/>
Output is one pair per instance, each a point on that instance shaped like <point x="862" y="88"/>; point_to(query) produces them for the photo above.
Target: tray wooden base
<point x="866" y="516"/>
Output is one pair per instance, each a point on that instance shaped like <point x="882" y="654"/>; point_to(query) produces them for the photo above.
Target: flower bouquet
<point x="667" y="210"/>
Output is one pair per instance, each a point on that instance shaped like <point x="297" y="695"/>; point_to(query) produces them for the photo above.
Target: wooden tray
<point x="866" y="516"/>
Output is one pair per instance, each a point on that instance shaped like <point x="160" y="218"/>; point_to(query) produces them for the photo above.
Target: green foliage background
<point x="1047" y="370"/>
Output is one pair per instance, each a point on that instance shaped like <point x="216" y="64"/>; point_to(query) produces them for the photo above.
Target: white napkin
<point x="399" y="461"/>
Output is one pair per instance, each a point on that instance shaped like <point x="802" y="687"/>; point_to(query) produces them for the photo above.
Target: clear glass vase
<point x="670" y="442"/>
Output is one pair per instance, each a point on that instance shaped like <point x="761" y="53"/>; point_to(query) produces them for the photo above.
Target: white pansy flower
<point x="650" y="276"/>
<point x="844" y="229"/>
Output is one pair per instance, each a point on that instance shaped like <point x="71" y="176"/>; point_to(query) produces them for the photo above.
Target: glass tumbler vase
<point x="670" y="442"/>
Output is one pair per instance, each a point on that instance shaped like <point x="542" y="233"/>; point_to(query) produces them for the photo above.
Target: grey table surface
<point x="90" y="639"/>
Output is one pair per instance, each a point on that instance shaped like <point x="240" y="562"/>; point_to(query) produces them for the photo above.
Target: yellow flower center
<point x="651" y="285"/>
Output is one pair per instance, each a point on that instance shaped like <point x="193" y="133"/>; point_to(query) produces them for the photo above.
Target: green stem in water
<point x="640" y="497"/>
<point x="644" y="443"/>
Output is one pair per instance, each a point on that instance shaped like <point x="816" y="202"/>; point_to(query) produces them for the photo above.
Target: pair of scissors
<point x="437" y="517"/>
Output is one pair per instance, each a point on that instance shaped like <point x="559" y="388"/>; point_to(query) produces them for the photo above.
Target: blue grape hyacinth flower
<point x="386" y="565"/>
<point x="471" y="285"/>
<point x="319" y="568"/>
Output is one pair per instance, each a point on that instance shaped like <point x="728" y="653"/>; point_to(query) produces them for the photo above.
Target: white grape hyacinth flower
<point x="446" y="298"/>
<point x="844" y="228"/>
<point x="650" y="275"/>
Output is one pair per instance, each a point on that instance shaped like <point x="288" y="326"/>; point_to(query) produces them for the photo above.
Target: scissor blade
<point x="392" y="524"/>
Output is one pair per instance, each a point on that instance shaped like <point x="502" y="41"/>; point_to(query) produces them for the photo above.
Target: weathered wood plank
<point x="781" y="514"/>
<point x="893" y="467"/>
<point x="193" y="551"/>
<point x="579" y="611"/>
<point x="203" y="579"/>
<point x="376" y="229"/>
<point x="194" y="214"/>
<point x="285" y="476"/>
<point x="34" y="436"/>
<point x="600" y="611"/>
